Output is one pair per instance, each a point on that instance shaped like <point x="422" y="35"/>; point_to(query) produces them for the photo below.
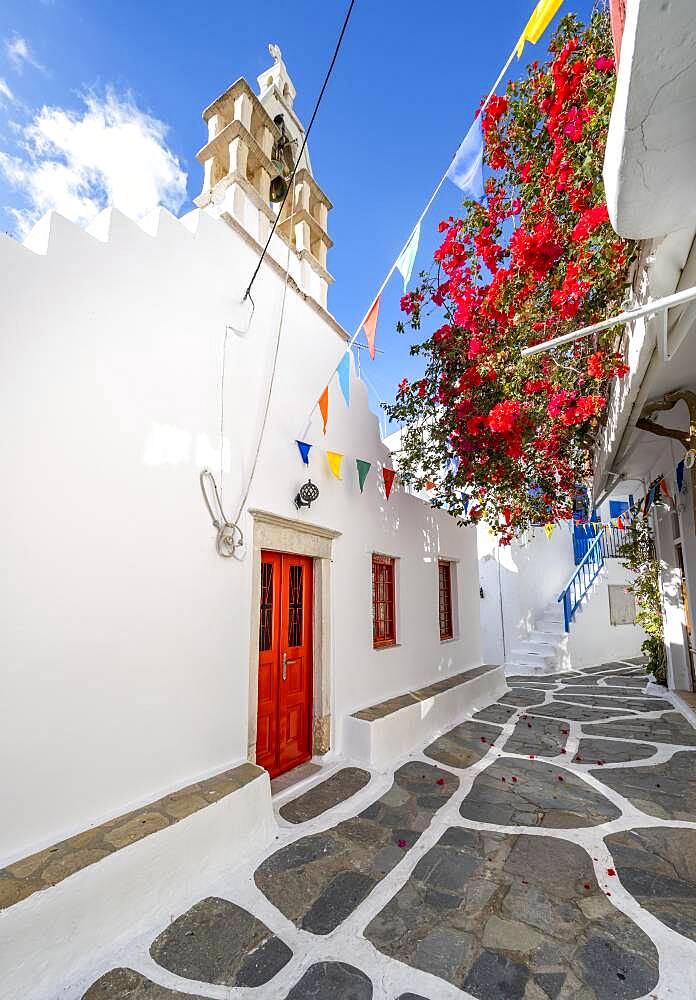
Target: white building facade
<point x="651" y="194"/>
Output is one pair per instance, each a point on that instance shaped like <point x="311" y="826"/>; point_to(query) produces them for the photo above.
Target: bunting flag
<point x="465" y="502"/>
<point x="454" y="462"/>
<point x="324" y="406"/>
<point x="466" y="169"/>
<point x="304" y="451"/>
<point x="538" y="23"/>
<point x="548" y="530"/>
<point x="363" y="469"/>
<point x="388" y="476"/>
<point x="680" y="476"/>
<point x="619" y="523"/>
<point x="665" y="489"/>
<point x="370" y="326"/>
<point x="429" y="484"/>
<point x="344" y="376"/>
<point x="334" y="459"/>
<point x="407" y="257"/>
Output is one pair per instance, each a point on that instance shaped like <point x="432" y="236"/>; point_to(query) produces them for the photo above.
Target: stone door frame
<point x="282" y="534"/>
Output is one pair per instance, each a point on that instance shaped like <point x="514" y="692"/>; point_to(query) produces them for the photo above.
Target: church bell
<point x="283" y="161"/>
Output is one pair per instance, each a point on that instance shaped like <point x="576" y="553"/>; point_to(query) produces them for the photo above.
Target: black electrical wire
<point x="304" y="143"/>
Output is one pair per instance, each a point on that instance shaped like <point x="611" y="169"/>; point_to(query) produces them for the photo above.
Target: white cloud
<point x="19" y="53"/>
<point x="77" y="163"/>
<point x="5" y="92"/>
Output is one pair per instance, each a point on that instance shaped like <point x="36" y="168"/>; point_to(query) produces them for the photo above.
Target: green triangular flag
<point x="363" y="469"/>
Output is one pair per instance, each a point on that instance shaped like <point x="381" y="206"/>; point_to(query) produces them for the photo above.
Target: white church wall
<point x="593" y="639"/>
<point x="126" y="638"/>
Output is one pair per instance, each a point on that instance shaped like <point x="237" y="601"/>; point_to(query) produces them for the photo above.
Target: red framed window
<point x="383" y="602"/>
<point x="444" y="570"/>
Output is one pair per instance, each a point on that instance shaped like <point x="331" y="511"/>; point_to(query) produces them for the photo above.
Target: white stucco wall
<point x="529" y="575"/>
<point x="592" y="638"/>
<point x="125" y="638"/>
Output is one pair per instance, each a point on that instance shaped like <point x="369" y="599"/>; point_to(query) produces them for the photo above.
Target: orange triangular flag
<point x="370" y="327"/>
<point x="324" y="406"/>
<point x="619" y="522"/>
<point x="665" y="489"/>
<point x="429" y="484"/>
<point x="388" y="476"/>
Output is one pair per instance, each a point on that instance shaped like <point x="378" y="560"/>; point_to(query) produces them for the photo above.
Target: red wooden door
<point x="283" y="737"/>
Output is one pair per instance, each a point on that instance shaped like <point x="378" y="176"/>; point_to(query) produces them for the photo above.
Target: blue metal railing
<point x="582" y="579"/>
<point x="613" y="537"/>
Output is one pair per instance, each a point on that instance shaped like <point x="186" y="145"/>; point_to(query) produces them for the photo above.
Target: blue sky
<point x="132" y="78"/>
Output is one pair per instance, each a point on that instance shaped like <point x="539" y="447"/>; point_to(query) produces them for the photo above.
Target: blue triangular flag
<point x="465" y="501"/>
<point x="454" y="461"/>
<point x="466" y="169"/>
<point x="304" y="451"/>
<point x="680" y="476"/>
<point x="344" y="377"/>
<point x="407" y="257"/>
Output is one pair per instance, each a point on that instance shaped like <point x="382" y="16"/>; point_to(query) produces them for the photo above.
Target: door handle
<point x="285" y="665"/>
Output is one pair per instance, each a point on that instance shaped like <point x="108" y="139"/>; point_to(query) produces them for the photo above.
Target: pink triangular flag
<point x="370" y="327"/>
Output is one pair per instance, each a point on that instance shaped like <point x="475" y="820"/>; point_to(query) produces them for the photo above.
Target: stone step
<point x="551" y="626"/>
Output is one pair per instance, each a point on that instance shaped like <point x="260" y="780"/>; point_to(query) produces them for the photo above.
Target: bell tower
<point x="254" y="141"/>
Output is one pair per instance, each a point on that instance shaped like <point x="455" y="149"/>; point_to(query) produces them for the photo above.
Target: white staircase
<point x="544" y="650"/>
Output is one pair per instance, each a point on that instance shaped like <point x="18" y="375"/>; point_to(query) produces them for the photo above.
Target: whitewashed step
<point x="548" y="638"/>
<point x="513" y="666"/>
<point x="522" y="654"/>
<point x="554" y="629"/>
<point x="536" y="646"/>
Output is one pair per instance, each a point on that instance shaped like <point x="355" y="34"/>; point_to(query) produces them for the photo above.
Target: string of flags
<point x="335" y="462"/>
<point x="465" y="172"/>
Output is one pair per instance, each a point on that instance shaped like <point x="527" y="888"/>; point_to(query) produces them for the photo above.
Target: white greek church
<point x="155" y="681"/>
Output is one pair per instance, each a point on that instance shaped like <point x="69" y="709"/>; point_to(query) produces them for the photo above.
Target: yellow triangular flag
<point x="334" y="459"/>
<point x="548" y="529"/>
<point x="538" y="23"/>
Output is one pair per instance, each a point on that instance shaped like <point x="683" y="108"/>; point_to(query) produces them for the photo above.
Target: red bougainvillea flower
<point x="604" y="64"/>
<point x="402" y="844"/>
<point x="589" y="221"/>
<point x="440" y="781"/>
<point x="504" y="416"/>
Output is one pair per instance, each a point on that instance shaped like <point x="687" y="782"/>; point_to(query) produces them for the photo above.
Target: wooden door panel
<point x="295" y="702"/>
<point x="284" y="728"/>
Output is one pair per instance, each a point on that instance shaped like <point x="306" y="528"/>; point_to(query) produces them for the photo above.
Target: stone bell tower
<point x="253" y="141"/>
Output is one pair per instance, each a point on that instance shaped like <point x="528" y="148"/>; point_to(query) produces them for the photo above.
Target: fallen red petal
<point x="610" y="871"/>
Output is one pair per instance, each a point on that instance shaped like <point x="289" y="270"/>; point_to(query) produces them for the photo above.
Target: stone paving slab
<point x="665" y="790"/>
<point x="464" y="745"/>
<point x="658" y="867"/>
<point x="531" y="793"/>
<point x="125" y="984"/>
<point x="50" y="866"/>
<point x="671" y="727"/>
<point x="522" y="698"/>
<point x="543" y="737"/>
<point x="218" y="942"/>
<point x="332" y="981"/>
<point x="516" y="682"/>
<point x="594" y="690"/>
<point x="319" y="880"/>
<point x="495" y="713"/>
<point x="609" y="701"/>
<point x="627" y="681"/>
<point x="611" y="751"/>
<point x="327" y="794"/>
<point x="508" y="917"/>
<point x="577" y="713"/>
<point x="604" y="667"/>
